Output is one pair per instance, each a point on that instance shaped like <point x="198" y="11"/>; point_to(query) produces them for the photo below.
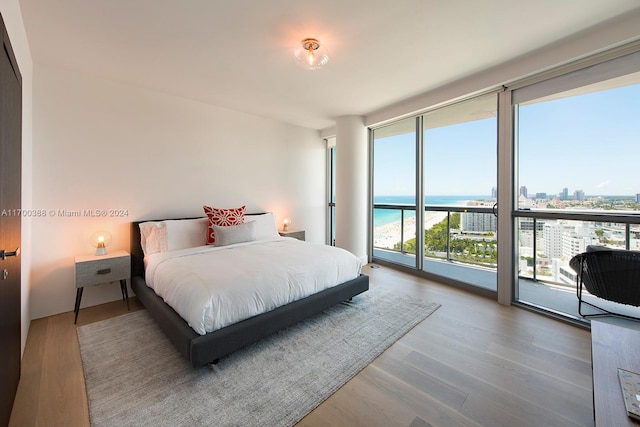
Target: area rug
<point x="135" y="377"/>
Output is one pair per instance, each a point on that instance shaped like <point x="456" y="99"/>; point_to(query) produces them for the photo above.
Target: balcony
<point x="463" y="256"/>
<point x="549" y="286"/>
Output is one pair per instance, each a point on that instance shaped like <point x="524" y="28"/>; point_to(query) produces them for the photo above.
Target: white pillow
<point x="234" y="233"/>
<point x="186" y="233"/>
<point x="266" y="227"/>
<point x="153" y="237"/>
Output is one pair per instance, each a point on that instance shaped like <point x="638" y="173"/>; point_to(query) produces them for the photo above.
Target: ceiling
<point x="239" y="54"/>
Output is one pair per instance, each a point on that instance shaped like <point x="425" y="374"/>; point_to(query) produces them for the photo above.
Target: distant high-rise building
<point x="523" y="190"/>
<point x="564" y="194"/>
<point x="573" y="244"/>
<point x="478" y="222"/>
<point x="526" y="224"/>
<point x="637" y="197"/>
<point x="553" y="239"/>
<point x="494" y="193"/>
<point x="541" y="196"/>
<point x="579" y="195"/>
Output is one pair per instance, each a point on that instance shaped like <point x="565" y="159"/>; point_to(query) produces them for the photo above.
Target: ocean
<point x="386" y="216"/>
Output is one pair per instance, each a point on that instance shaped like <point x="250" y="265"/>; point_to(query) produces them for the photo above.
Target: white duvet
<point x="213" y="287"/>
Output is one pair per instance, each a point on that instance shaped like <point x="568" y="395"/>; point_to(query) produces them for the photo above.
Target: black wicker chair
<point x="613" y="275"/>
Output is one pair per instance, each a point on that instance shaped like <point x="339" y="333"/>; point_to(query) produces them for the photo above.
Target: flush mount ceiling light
<point x="311" y="55"/>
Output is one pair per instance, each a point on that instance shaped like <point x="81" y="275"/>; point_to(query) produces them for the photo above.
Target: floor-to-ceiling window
<point x="566" y="164"/>
<point x="394" y="192"/>
<point x="459" y="184"/>
<point x="331" y="191"/>
<point x="578" y="147"/>
<point x="434" y="191"/>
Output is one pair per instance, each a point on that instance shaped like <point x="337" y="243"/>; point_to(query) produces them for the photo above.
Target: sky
<point x="589" y="142"/>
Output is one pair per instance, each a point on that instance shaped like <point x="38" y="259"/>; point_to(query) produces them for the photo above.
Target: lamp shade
<point x="100" y="240"/>
<point x="311" y="55"/>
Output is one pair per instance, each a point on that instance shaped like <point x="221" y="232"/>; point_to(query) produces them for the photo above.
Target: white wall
<point x="98" y="144"/>
<point x="15" y="28"/>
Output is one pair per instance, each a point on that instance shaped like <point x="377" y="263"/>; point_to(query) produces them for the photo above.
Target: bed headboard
<point x="137" y="256"/>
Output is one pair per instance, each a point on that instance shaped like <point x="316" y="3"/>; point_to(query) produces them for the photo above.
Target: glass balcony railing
<point x="460" y="244"/>
<point x="464" y="234"/>
<point x="394" y="227"/>
<point x="546" y="242"/>
<point x="459" y="241"/>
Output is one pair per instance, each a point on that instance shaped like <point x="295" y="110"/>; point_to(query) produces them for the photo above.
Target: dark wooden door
<point x="10" y="220"/>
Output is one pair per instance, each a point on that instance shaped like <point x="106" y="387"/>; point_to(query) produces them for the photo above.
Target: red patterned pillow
<point x="222" y="217"/>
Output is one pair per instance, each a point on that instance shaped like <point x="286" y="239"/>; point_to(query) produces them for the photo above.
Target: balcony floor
<point x="559" y="299"/>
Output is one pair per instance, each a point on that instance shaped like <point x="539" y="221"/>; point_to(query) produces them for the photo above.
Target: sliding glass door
<point x="459" y="182"/>
<point x="394" y="192"/>
<point x="434" y="191"/>
<point x="577" y="155"/>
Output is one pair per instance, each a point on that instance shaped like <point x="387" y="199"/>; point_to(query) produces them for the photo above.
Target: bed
<point x="205" y="347"/>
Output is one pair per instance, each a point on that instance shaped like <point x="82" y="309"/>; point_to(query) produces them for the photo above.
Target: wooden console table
<point x="615" y="343"/>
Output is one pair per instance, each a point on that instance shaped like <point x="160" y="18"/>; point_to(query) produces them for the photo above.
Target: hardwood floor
<point x="51" y="391"/>
<point x="471" y="363"/>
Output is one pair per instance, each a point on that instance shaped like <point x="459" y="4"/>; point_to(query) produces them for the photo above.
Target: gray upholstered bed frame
<point x="203" y="349"/>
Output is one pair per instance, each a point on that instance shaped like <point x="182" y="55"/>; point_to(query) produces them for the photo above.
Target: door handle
<point x="4" y="254"/>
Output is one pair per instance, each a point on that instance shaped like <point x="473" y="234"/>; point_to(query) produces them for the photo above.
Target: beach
<point x="386" y="236"/>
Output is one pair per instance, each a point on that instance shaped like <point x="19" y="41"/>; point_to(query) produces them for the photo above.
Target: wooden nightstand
<point x="296" y="234"/>
<point x="96" y="269"/>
